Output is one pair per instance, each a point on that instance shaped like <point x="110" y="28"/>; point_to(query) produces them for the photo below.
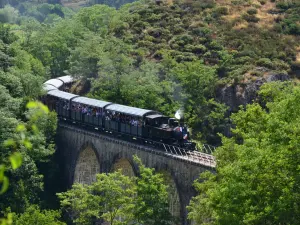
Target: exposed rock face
<point x="242" y="94"/>
<point x="279" y="76"/>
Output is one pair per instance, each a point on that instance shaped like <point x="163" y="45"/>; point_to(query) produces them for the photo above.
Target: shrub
<point x="252" y="11"/>
<point x="244" y="60"/>
<point x="202" y="32"/>
<point x="220" y="11"/>
<point x="262" y="2"/>
<point x="178" y="29"/>
<point x="147" y="44"/>
<point x="214" y="45"/>
<point x="203" y="4"/>
<point x="185" y="56"/>
<point x="265" y="62"/>
<point x="155" y="32"/>
<point x="281" y="65"/>
<point x="199" y="49"/>
<point x="256" y="73"/>
<point x="237" y="2"/>
<point x="188" y="48"/>
<point x="250" y="18"/>
<point x="284" y="5"/>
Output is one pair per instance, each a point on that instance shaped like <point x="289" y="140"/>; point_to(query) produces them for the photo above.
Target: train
<point x="135" y="123"/>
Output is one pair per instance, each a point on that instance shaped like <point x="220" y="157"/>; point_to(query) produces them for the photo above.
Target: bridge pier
<point x="84" y="153"/>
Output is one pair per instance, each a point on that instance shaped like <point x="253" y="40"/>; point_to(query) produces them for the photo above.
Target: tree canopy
<point x="257" y="175"/>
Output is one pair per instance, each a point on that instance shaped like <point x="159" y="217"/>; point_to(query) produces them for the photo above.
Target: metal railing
<point x="194" y="156"/>
<point x="153" y="147"/>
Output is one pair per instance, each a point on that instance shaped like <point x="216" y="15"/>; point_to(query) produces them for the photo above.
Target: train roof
<point x="48" y="87"/>
<point x="91" y="102"/>
<point x="129" y="110"/>
<point x="61" y="94"/>
<point x="154" y="116"/>
<point x="55" y="82"/>
<point x="66" y="79"/>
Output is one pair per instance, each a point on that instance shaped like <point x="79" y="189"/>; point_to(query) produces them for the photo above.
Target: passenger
<point x="78" y="108"/>
<point x="89" y="110"/>
<point x="94" y="112"/>
<point x="84" y="110"/>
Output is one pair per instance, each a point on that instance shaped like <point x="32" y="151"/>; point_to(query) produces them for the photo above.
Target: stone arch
<point x="87" y="165"/>
<point x="174" y="198"/>
<point x="125" y="165"/>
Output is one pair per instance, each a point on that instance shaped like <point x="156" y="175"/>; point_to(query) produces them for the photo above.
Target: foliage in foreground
<point x="119" y="199"/>
<point x="257" y="179"/>
<point x="33" y="215"/>
<point x="20" y="145"/>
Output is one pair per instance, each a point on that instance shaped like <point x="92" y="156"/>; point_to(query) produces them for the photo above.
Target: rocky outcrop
<point x="242" y="94"/>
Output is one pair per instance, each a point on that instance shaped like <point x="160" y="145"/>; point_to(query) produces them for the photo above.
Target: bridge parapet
<point x="192" y="157"/>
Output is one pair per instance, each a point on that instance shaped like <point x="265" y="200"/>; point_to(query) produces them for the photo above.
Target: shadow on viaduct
<point x="85" y="153"/>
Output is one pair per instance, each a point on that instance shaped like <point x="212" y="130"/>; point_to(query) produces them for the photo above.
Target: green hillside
<point x="207" y="57"/>
<point x="232" y="66"/>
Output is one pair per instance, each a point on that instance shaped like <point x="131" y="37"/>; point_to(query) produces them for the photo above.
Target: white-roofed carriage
<point x="60" y="101"/>
<point x="126" y="119"/>
<point x="88" y="110"/>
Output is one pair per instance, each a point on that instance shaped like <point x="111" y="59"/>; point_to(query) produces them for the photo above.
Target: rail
<point x="194" y="156"/>
<point x="153" y="147"/>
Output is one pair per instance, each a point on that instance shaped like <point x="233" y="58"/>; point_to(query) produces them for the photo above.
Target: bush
<point x="244" y="60"/>
<point x="250" y="18"/>
<point x="284" y="5"/>
<point x="214" y="45"/>
<point x="262" y="2"/>
<point x="252" y="11"/>
<point x="177" y="29"/>
<point x="256" y="73"/>
<point x="199" y="49"/>
<point x="237" y="2"/>
<point x="220" y="11"/>
<point x="202" y="32"/>
<point x="188" y="48"/>
<point x="265" y="62"/>
<point x="281" y="65"/>
<point x="203" y="4"/>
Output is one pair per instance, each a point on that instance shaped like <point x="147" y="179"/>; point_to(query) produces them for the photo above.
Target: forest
<point x="233" y="66"/>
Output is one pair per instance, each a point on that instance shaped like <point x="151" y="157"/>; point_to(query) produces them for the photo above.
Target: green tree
<point x="113" y="64"/>
<point x="97" y="18"/>
<point x="152" y="206"/>
<point x="80" y="204"/>
<point x="85" y="57"/>
<point x="144" y="88"/>
<point x="110" y="197"/>
<point x="202" y="113"/>
<point x="25" y="181"/>
<point x="117" y="193"/>
<point x="33" y="215"/>
<point x="18" y="139"/>
<point x="257" y="179"/>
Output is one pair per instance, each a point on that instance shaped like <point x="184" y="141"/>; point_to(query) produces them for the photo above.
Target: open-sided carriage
<point x="60" y="101"/>
<point x="126" y="119"/>
<point x="94" y="117"/>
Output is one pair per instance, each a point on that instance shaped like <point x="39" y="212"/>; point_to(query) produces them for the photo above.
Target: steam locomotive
<point x="129" y="121"/>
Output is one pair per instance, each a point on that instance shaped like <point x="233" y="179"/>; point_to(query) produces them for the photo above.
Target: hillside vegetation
<point x="207" y="57"/>
<point x="139" y="54"/>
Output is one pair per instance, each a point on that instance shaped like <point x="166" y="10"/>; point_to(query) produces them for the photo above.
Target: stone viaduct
<point x="85" y="153"/>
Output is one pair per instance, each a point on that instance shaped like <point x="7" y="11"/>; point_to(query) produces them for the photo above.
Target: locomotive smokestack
<point x="180" y="116"/>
